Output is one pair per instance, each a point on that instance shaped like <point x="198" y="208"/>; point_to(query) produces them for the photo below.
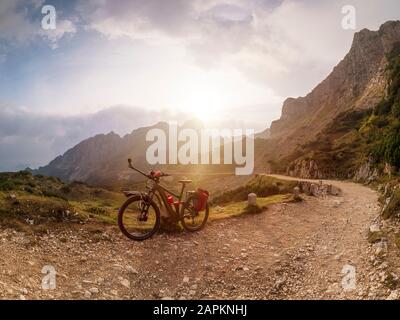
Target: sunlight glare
<point x="204" y="99"/>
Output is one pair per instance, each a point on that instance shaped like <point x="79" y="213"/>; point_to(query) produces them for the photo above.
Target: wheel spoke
<point x="139" y="219"/>
<point x="192" y="219"/>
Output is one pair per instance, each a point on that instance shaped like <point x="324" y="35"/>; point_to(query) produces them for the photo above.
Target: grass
<point x="36" y="203"/>
<point x="240" y="208"/>
<point x="375" y="236"/>
<point x="261" y="185"/>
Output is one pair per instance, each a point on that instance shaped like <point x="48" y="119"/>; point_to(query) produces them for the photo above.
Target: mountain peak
<point x="390" y="25"/>
<point x="384" y="37"/>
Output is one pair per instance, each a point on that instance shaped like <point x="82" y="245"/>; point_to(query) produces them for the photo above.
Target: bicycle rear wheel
<point x="191" y="219"/>
<point x="138" y="218"/>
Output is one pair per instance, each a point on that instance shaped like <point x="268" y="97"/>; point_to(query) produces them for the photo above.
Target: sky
<point x="115" y="65"/>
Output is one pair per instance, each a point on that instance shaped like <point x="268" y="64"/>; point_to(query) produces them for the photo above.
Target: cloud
<point x="136" y="19"/>
<point x="34" y="139"/>
<point x="14" y="24"/>
<point x="29" y="139"/>
<point x="20" y="24"/>
<point x="271" y="42"/>
<point x="63" y="28"/>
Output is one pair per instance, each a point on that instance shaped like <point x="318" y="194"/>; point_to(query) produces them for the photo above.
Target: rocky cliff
<point x="363" y="140"/>
<point x="357" y="82"/>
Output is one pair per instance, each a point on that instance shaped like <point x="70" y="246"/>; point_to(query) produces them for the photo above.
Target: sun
<point x="205" y="100"/>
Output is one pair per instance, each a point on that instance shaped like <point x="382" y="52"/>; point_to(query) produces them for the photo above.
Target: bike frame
<point x="157" y="188"/>
<point x="173" y="210"/>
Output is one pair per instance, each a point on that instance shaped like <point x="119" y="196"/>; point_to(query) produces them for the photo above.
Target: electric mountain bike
<point x="139" y="217"/>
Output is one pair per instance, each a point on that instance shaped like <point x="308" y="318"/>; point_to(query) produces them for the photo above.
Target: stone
<point x="334" y="191"/>
<point x="296" y="191"/>
<point x="94" y="290"/>
<point x="132" y="270"/>
<point x="126" y="283"/>
<point x="314" y="189"/>
<point x="375" y="234"/>
<point x="12" y="197"/>
<point x="380" y="248"/>
<point x="100" y="280"/>
<point x="394" y="295"/>
<point x="185" y="279"/>
<point x="374" y="228"/>
<point x="252" y="199"/>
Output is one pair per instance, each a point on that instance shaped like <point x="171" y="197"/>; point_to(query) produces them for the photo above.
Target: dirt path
<point x="291" y="251"/>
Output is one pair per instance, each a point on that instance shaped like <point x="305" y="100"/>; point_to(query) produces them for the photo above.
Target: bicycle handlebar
<point x="152" y="174"/>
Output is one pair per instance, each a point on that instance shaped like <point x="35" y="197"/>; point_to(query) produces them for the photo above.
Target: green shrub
<point x="97" y="210"/>
<point x="66" y="189"/>
<point x="388" y="149"/>
<point x="263" y="186"/>
<point x="383" y="108"/>
<point x="31" y="184"/>
<point x="52" y="193"/>
<point x="346" y="121"/>
<point x="7" y="185"/>
<point x="396" y="109"/>
<point x="29" y="189"/>
<point x="393" y="206"/>
<point x="376" y="236"/>
<point x="24" y="173"/>
<point x="54" y="179"/>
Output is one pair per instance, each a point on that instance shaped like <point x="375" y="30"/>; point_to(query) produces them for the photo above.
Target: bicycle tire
<point x="186" y="226"/>
<point x="121" y="220"/>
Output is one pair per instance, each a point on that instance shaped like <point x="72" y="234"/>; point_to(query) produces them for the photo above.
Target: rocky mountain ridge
<point x="357" y="82"/>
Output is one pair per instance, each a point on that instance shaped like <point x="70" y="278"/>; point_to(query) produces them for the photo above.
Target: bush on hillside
<point x="396" y="109"/>
<point x="393" y="207"/>
<point x="388" y="150"/>
<point x="263" y="186"/>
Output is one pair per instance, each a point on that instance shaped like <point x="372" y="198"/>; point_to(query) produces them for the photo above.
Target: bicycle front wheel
<point x="138" y="218"/>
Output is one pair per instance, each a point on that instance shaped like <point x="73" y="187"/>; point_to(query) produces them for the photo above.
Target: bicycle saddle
<point x="184" y="181"/>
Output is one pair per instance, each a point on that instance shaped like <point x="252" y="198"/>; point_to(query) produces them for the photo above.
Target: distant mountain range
<point x="102" y="159"/>
<point x="357" y="84"/>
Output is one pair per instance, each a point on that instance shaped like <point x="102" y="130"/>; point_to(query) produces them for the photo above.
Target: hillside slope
<point x="363" y="144"/>
<point x="102" y="159"/>
<point x="357" y="83"/>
